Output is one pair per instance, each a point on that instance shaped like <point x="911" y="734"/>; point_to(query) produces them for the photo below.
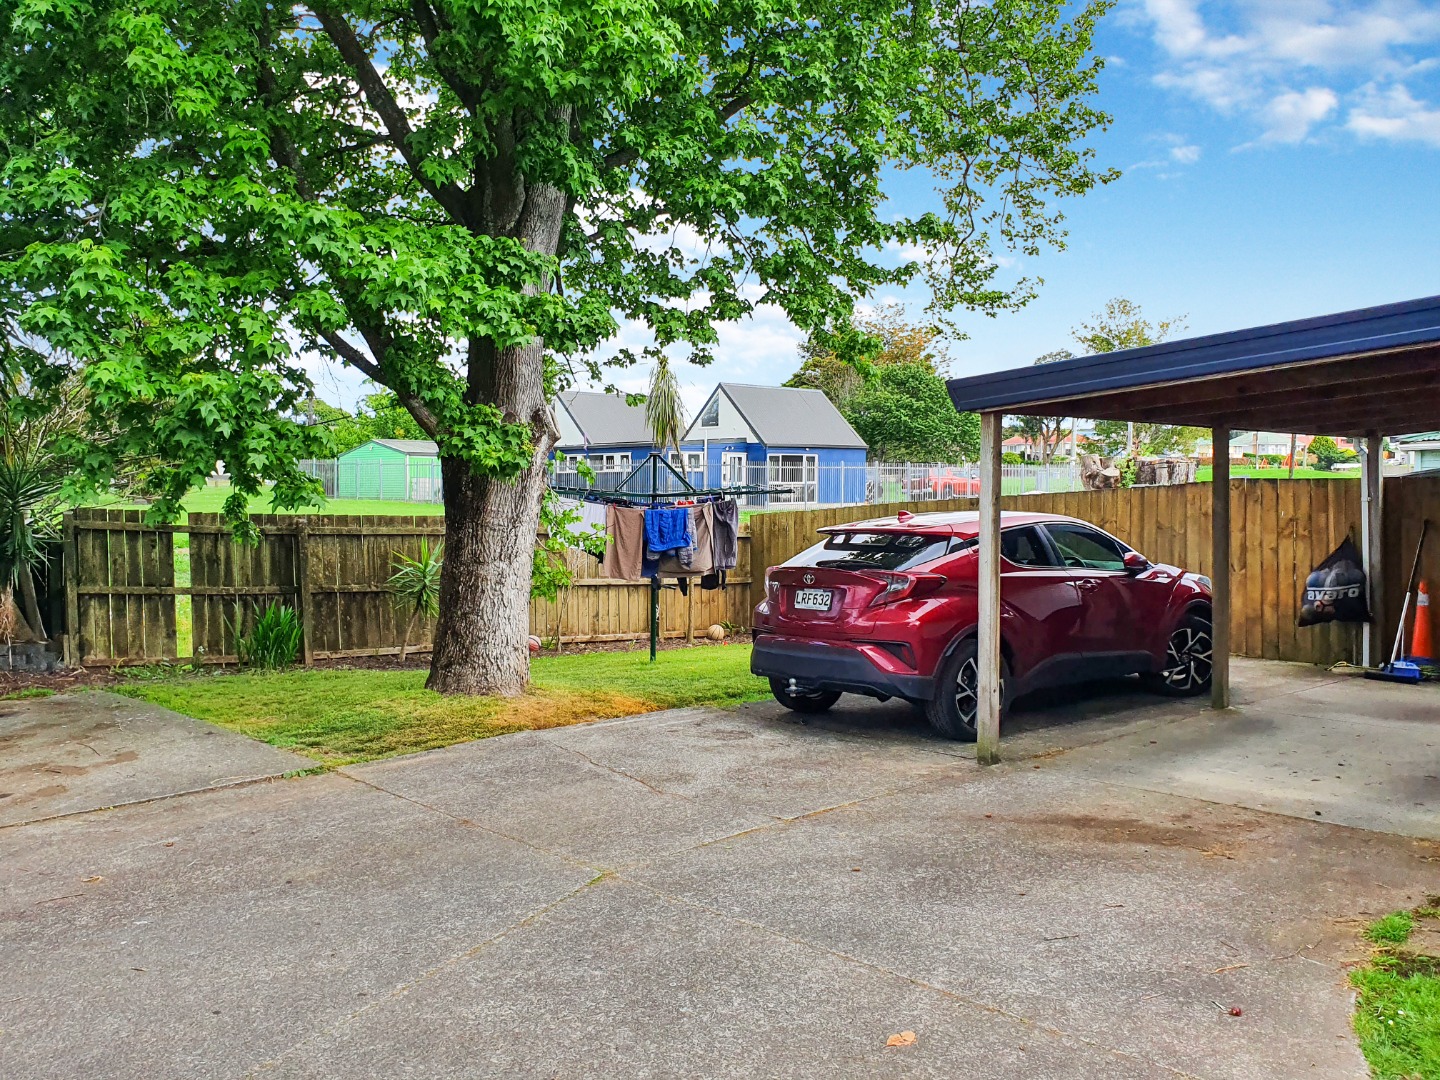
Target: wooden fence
<point x="1282" y="528"/>
<point x="1408" y="502"/>
<point x="125" y="603"/>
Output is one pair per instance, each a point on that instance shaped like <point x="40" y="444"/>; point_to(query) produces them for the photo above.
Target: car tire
<point x="807" y="701"/>
<point x="947" y="713"/>
<point x="1189" y="664"/>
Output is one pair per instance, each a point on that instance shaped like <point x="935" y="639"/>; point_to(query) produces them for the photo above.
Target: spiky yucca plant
<point x="416" y="586"/>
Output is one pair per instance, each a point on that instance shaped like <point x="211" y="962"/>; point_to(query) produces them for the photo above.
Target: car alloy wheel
<point x="1187" y="659"/>
<point x="967" y="691"/>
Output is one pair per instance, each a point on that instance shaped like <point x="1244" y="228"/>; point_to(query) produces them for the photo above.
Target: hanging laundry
<point x="698" y="557"/>
<point x="667" y="529"/>
<point x="726" y="534"/>
<point x="625" y="551"/>
<point x="594" y="517"/>
<point x="713" y="580"/>
<point x="591" y="516"/>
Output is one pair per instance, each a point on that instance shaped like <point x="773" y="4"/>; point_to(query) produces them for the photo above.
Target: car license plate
<point x="813" y="599"/>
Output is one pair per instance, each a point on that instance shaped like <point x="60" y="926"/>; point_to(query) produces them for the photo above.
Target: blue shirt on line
<point x="667" y="529"/>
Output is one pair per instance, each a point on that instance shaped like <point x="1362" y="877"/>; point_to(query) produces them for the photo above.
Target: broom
<point x="1397" y="670"/>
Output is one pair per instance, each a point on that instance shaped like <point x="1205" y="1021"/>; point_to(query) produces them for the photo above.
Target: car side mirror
<point x="1135" y="563"/>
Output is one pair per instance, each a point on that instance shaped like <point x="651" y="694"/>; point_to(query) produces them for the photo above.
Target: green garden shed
<point x="399" y="469"/>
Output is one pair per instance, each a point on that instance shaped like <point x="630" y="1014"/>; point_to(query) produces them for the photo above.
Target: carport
<point x="1360" y="374"/>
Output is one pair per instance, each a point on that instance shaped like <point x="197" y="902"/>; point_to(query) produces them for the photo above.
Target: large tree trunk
<point x="482" y="634"/>
<point x="30" y="604"/>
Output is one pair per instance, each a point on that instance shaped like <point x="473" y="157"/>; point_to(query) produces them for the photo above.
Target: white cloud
<point x="1290" y="116"/>
<point x="1395" y="115"/>
<point x="1186" y="154"/>
<point x="1244" y="58"/>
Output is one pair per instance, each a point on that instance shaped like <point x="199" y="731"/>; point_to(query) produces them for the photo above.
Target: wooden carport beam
<point x="987" y="661"/>
<point x="1372" y="466"/>
<point x="1220" y="569"/>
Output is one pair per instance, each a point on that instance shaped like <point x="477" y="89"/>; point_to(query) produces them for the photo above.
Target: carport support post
<point x="1220" y="569"/>
<point x="987" y="707"/>
<point x="1371" y="467"/>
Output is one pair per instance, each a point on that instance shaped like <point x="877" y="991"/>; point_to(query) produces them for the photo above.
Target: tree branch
<point x="362" y="363"/>
<point x="342" y="35"/>
<point x="430" y="29"/>
<point x="618" y="159"/>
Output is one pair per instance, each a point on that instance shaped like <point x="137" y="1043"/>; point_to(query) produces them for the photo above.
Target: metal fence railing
<point x="811" y="482"/>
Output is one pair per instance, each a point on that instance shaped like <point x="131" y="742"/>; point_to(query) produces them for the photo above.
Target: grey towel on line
<point x="726" y="532"/>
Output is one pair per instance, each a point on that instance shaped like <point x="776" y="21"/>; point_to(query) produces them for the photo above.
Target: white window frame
<point x="736" y="460"/>
<point x="807" y="490"/>
<point x="610" y="462"/>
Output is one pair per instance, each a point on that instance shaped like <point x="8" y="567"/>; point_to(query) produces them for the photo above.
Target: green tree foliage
<point x="887" y="381"/>
<point x="883" y="337"/>
<point x="1327" y="453"/>
<point x="1151" y="440"/>
<point x="380" y="416"/>
<point x="1122" y="325"/>
<point x="904" y="413"/>
<point x="460" y="200"/>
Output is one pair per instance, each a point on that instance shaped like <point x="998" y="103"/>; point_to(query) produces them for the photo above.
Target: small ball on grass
<point x="534" y="644"/>
<point x="717" y="632"/>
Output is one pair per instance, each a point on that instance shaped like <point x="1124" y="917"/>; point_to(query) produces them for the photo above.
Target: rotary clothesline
<point x="697" y="535"/>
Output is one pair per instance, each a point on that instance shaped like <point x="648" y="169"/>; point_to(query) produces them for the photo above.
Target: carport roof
<point x="1374" y="370"/>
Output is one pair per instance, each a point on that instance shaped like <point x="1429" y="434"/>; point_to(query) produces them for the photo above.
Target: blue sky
<point x="1280" y="158"/>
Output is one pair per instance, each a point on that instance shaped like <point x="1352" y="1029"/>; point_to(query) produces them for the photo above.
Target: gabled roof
<point x="1418" y="437"/>
<point x="413" y="447"/>
<point x="789" y="416"/>
<point x="605" y="419"/>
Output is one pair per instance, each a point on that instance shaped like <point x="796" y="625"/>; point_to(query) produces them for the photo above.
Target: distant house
<point x="776" y="436"/>
<point x="402" y="469"/>
<point x="1424" y="448"/>
<point x="1267" y="443"/>
<point x="601" y="430"/>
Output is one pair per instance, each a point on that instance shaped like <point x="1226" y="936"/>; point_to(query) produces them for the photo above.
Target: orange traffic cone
<point x="1421" y="644"/>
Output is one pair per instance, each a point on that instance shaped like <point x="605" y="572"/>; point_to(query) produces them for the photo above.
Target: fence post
<point x="71" y="578"/>
<point x="302" y="591"/>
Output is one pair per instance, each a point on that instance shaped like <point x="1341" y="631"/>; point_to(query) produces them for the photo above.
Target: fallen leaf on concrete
<point x="1229" y="967"/>
<point x="905" y="1038"/>
<point x="92" y="879"/>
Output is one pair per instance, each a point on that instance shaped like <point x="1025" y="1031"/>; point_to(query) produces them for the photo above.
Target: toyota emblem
<point x="809" y="579"/>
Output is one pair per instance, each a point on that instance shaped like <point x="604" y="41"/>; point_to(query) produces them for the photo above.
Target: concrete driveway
<point x="93" y="750"/>
<point x="733" y="894"/>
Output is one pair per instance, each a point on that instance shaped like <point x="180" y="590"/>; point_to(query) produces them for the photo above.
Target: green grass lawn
<point x="1205" y="472"/>
<point x="209" y="499"/>
<point x="1397" y="1010"/>
<point x="341" y="717"/>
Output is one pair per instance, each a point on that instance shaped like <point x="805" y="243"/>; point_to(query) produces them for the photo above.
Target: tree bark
<point x="482" y="634"/>
<point x="481" y="637"/>
<point x="30" y="605"/>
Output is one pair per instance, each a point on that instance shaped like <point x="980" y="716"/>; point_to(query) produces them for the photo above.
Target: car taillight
<point x="772" y="587"/>
<point x="906" y="587"/>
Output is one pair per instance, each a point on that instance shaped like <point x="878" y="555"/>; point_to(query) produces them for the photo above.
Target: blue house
<point x="776" y="436"/>
<point x="601" y="430"/>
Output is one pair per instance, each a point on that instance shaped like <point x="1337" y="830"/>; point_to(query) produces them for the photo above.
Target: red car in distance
<point x="888" y="608"/>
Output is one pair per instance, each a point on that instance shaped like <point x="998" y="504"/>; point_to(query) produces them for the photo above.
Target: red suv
<point x="887" y="608"/>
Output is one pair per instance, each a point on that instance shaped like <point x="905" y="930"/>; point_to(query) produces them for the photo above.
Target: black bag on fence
<point x="1335" y="590"/>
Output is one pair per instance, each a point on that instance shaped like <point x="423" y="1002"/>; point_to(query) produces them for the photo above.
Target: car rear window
<point x="876" y="551"/>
